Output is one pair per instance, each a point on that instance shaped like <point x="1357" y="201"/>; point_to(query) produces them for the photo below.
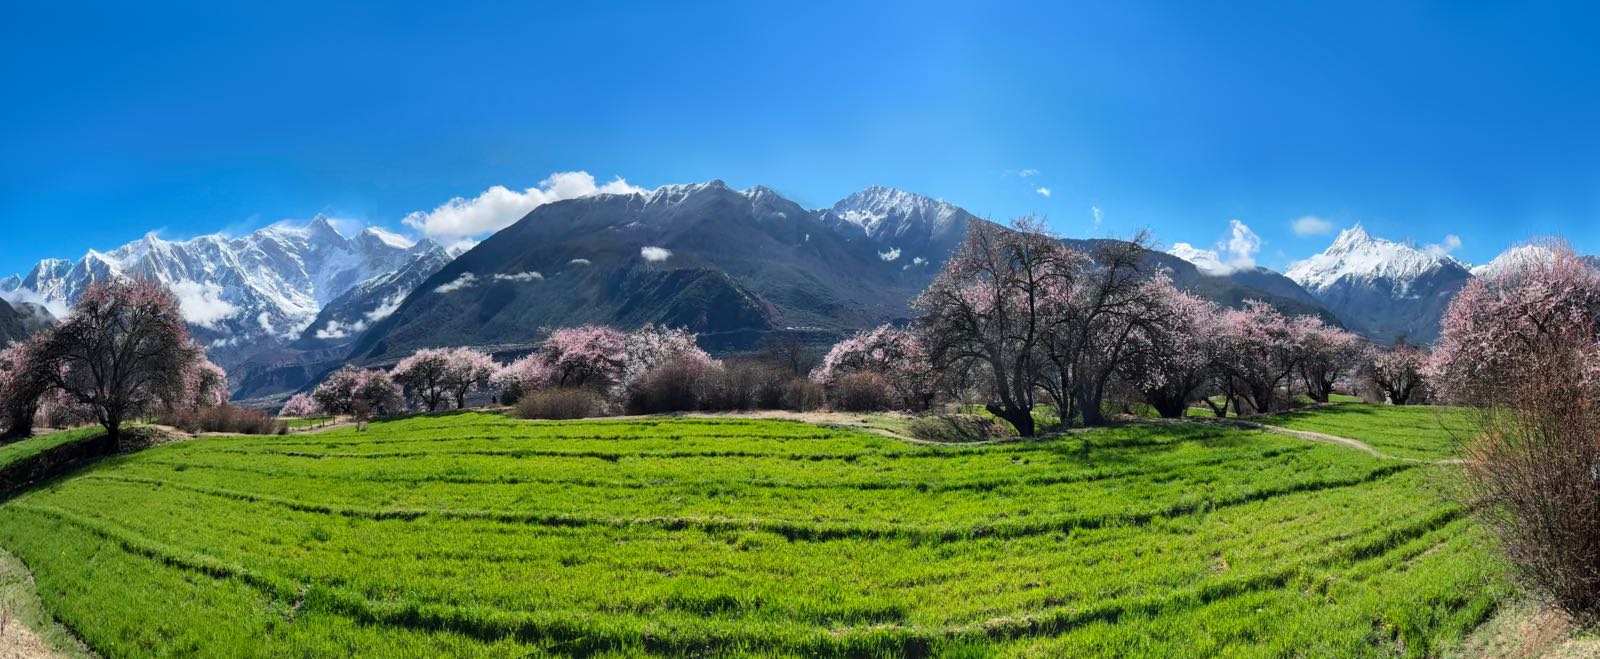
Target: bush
<point x="1531" y="477"/>
<point x="802" y="395"/>
<point x="679" y="385"/>
<point x="958" y="428"/>
<point x="863" y="391"/>
<point x="224" y="418"/>
<point x="560" y="403"/>
<point x="746" y="386"/>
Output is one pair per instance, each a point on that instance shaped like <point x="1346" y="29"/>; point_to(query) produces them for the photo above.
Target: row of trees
<point x="1018" y="319"/>
<point x="601" y="360"/>
<point x="123" y="352"/>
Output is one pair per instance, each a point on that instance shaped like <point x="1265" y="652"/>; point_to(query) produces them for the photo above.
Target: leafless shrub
<point x="559" y="403"/>
<point x="863" y="391"/>
<point x="800" y="394"/>
<point x="1534" y="477"/>
<point x="679" y="385"/>
<point x="223" y="418"/>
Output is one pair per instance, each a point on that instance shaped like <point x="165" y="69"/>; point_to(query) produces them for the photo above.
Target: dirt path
<point x="1313" y="437"/>
<point x="26" y="629"/>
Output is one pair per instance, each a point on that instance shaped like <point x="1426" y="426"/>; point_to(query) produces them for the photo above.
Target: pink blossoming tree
<point x="1396" y="371"/>
<point x="901" y="356"/>
<point x="1326" y="354"/>
<point x="592" y="356"/>
<point x="1173" y="360"/>
<point x="994" y="304"/>
<point x="1257" y="353"/>
<point x="299" y="405"/>
<point x="360" y="392"/>
<point x="1500" y="325"/>
<point x="123" y="350"/>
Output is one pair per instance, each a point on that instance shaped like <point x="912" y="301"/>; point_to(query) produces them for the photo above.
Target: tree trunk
<point x="113" y="426"/>
<point x="1092" y="413"/>
<point x="1261" y="399"/>
<point x="1319" y="391"/>
<point x="1020" y="419"/>
<point x="1169" y="407"/>
<point x="19" y="427"/>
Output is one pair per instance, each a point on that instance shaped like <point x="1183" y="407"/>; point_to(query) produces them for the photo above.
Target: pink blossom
<point x="299" y="405"/>
<point x="1501" y="327"/>
<point x="899" y="355"/>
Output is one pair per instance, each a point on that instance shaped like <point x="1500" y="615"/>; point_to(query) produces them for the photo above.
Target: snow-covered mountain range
<point x="240" y="295"/>
<point x="284" y="303"/>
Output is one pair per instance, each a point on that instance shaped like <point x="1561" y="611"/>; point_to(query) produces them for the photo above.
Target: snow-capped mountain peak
<point x="1357" y="255"/>
<point x="881" y="212"/>
<point x="255" y="290"/>
<point x="1515" y="258"/>
<point x="1381" y="288"/>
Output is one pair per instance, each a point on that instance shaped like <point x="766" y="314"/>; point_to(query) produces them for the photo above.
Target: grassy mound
<point x="474" y="534"/>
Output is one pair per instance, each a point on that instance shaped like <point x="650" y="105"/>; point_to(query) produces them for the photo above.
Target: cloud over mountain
<point x="462" y="219"/>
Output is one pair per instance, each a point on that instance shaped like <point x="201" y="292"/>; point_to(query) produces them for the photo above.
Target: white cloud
<point x="499" y="207"/>
<point x="391" y="238"/>
<point x="337" y="330"/>
<point x="265" y="320"/>
<point x="202" y="303"/>
<point x="519" y="277"/>
<point x="460" y="247"/>
<point x="1237" y="252"/>
<point x="1028" y="172"/>
<point x="918" y="261"/>
<point x="1444" y="247"/>
<point x="1098" y="216"/>
<point x="892" y="254"/>
<point x="654" y="254"/>
<point x="1205" y="259"/>
<point x="57" y="308"/>
<point x="1043" y="191"/>
<point x="386" y="309"/>
<point x="1312" y="225"/>
<point x="579" y="262"/>
<point x="466" y="280"/>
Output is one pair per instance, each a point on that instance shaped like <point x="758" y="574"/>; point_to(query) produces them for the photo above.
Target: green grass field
<point x="1412" y="431"/>
<point x="32" y="446"/>
<point x="473" y="534"/>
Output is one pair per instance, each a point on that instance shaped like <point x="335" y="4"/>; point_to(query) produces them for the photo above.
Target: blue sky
<point x="1419" y="121"/>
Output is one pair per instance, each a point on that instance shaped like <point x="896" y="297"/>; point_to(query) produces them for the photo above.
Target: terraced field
<point x="473" y="534"/>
